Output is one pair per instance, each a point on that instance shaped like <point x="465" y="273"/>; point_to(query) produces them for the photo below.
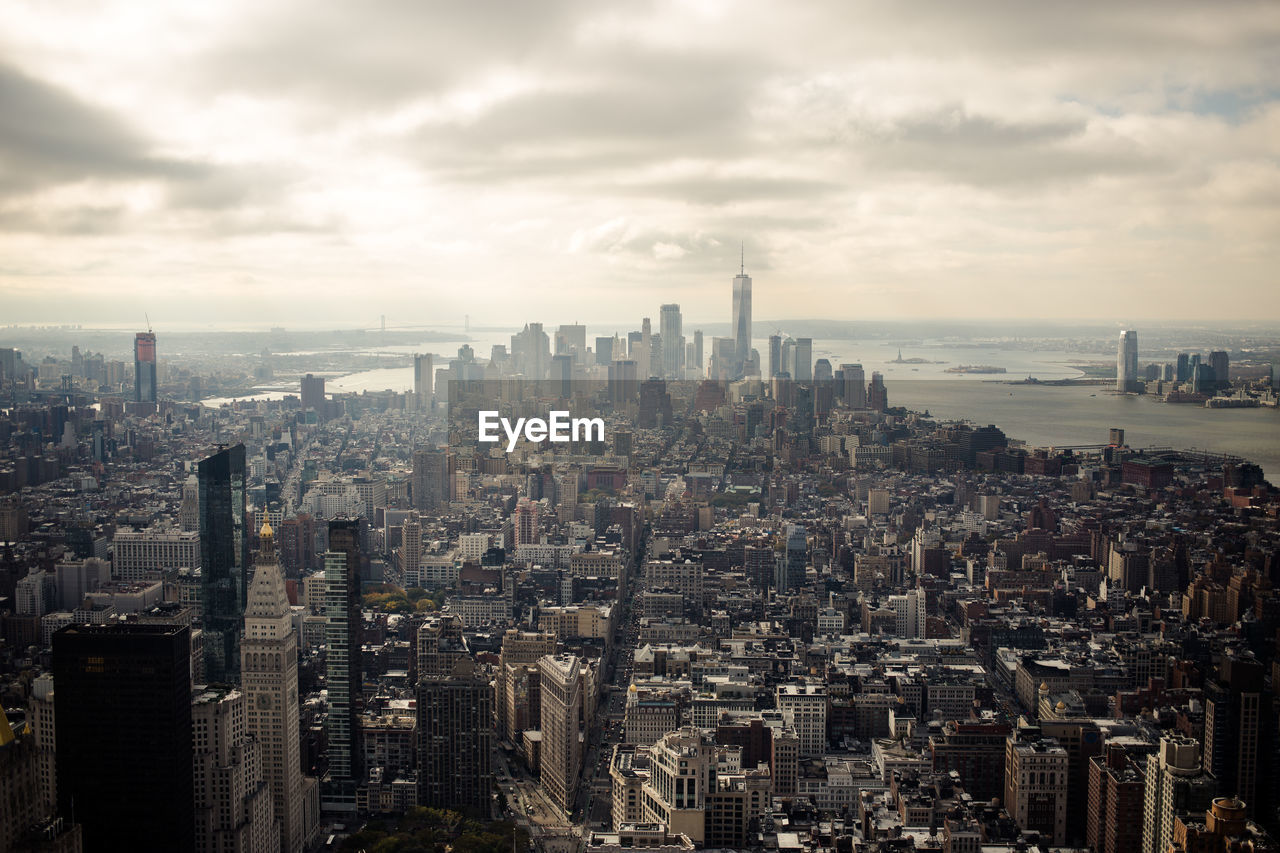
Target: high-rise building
<point x="269" y="678"/>
<point x="232" y="799"/>
<point x="561" y="690"/>
<point x="1174" y="783"/>
<point x="624" y="381"/>
<point x="1239" y="730"/>
<point x="40" y="710"/>
<point x="802" y="360"/>
<point x="877" y="394"/>
<point x="1127" y="362"/>
<point x="741" y="321"/>
<point x="22" y="787"/>
<point x="775" y="355"/>
<point x="123" y="718"/>
<point x="342" y="638"/>
<point x="432" y="476"/>
<point x="224" y="560"/>
<point x="1117" y="788"/>
<point x="1220" y="361"/>
<point x="1182" y="371"/>
<point x="645" y="358"/>
<point x="571" y="339"/>
<point x="855" y="386"/>
<point x="423" y="378"/>
<point x="696" y="363"/>
<point x="794" y="560"/>
<point x="1035" y="788"/>
<point x="313" y="394"/>
<point x="604" y="351"/>
<point x="455" y="738"/>
<point x="670" y="325"/>
<point x="144" y="367"/>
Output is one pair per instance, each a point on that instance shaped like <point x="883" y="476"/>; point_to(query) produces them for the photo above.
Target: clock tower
<point x="269" y="679"/>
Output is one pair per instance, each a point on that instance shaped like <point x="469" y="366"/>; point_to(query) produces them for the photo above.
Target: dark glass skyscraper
<point x="342" y="640"/>
<point x="144" y="367"/>
<point x="122" y="713"/>
<point x="224" y="560"/>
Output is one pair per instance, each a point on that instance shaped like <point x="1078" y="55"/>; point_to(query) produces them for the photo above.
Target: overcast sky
<point x="246" y="162"/>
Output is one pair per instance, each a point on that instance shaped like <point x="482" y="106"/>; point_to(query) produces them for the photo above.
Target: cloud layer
<point x="299" y="163"/>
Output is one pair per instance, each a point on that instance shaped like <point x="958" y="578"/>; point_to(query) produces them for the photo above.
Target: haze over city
<point x="426" y="161"/>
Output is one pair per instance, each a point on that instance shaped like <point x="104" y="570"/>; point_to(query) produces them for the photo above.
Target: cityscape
<point x="752" y="604"/>
<point x="491" y="427"/>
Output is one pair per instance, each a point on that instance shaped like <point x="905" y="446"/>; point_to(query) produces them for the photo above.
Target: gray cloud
<point x="48" y="137"/>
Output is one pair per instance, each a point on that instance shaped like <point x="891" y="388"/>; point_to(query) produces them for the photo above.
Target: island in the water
<point x="976" y="368"/>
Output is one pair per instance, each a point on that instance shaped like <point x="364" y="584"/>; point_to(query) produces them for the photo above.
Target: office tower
<point x="1174" y="783"/>
<point x="527" y="521"/>
<point x="1127" y="362"/>
<point x="723" y="359"/>
<point x="787" y="358"/>
<point x="224" y="560"/>
<point x="645" y="359"/>
<point x="804" y="708"/>
<point x="633" y="347"/>
<point x="411" y="550"/>
<point x="40" y="711"/>
<point x="313" y="394"/>
<point x="269" y="679"/>
<point x="455" y="738"/>
<point x="670" y="325"/>
<point x="1182" y="371"/>
<point x="657" y="363"/>
<point x="1035" y="790"/>
<point x="423" y="378"/>
<point x="855" y="386"/>
<point x="1221" y="364"/>
<point x="909" y="613"/>
<point x="741" y="320"/>
<point x="144" y="367"/>
<point x="342" y="638"/>
<point x="802" y="360"/>
<point x="521" y="651"/>
<point x="573" y="338"/>
<point x="877" y="394"/>
<point x="655" y="405"/>
<point x="1117" y="789"/>
<point x="775" y="355"/>
<point x="432" y="478"/>
<point x="22" y="802"/>
<point x="604" y="351"/>
<point x="122" y="712"/>
<point x="560" y="684"/>
<point x="699" y="367"/>
<point x="232" y="799"/>
<point x="624" y="382"/>
<point x="531" y="351"/>
<point x="139" y="554"/>
<point x="1239" y="731"/>
<point x="793" y="561"/>
<point x="562" y="375"/>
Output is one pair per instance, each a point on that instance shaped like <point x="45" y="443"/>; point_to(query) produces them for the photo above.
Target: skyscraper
<point x="1175" y="784"/>
<point x="269" y="675"/>
<point x="232" y="799"/>
<point x="1220" y="361"/>
<point x="313" y="394"/>
<point x="1127" y="362"/>
<point x="423" y="379"/>
<point x="670" y="327"/>
<point x="855" y="386"/>
<point x="741" y="320"/>
<point x="123" y="719"/>
<point x="144" y="367"/>
<point x="775" y="355"/>
<point x="455" y="738"/>
<point x="1239" y="731"/>
<point x="699" y="367"/>
<point x="342" y="640"/>
<point x="561" y="683"/>
<point x="802" y="368"/>
<point x="645" y="359"/>
<point x="432" y="474"/>
<point x="224" y="560"/>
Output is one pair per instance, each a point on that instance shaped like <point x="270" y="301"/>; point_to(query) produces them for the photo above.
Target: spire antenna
<point x="742" y="261"/>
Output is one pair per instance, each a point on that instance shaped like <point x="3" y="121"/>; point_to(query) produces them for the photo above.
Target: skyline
<point x="989" y="166"/>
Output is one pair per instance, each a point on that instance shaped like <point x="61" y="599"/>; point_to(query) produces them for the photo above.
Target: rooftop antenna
<point x="148" y="316"/>
<point x="742" y="261"/>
